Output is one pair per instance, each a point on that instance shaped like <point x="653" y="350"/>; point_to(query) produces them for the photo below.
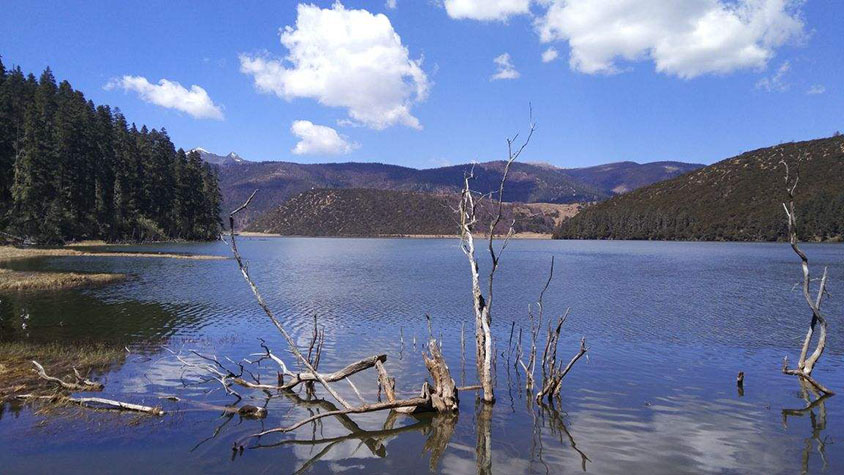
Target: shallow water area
<point x="668" y="325"/>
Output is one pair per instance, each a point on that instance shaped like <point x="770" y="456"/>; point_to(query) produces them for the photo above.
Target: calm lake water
<point x="668" y="325"/>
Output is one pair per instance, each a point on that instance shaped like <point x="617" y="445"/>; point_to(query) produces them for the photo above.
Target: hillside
<point x="369" y="212"/>
<point x="735" y="199"/>
<point x="527" y="183"/>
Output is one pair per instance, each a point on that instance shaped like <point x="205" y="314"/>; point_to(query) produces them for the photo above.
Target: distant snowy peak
<point x="219" y="160"/>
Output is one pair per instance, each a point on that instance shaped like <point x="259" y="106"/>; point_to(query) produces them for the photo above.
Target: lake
<point x="668" y="326"/>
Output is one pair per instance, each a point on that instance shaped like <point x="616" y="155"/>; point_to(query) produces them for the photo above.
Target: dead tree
<point x="806" y="363"/>
<point x="442" y="397"/>
<point x="482" y="304"/>
<point x="535" y="325"/>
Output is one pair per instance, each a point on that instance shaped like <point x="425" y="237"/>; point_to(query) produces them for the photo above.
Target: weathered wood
<point x="98" y="403"/>
<point x="291" y="343"/>
<point x="385" y="382"/>
<point x="444" y="397"/>
<point x="82" y="384"/>
<point x="805" y="364"/>
<point x="338" y="375"/>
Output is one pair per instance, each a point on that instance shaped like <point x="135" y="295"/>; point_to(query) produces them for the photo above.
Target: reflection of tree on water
<point x="438" y="427"/>
<point x="818" y="422"/>
<point x="483" y="448"/>
<point x="72" y="316"/>
<point x="558" y="427"/>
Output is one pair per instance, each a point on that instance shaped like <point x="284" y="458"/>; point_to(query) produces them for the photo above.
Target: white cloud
<point x="685" y="38"/>
<point x="816" y="89"/>
<point x="549" y="55"/>
<point x="391" y="4"/>
<point x="344" y="58"/>
<point x="486" y="10"/>
<point x="170" y="94"/>
<point x="504" y="68"/>
<point x="776" y="82"/>
<point x="319" y="140"/>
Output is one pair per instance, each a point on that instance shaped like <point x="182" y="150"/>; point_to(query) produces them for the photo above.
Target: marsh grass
<point x="11" y="280"/>
<point x="18" y="376"/>
<point x="12" y="253"/>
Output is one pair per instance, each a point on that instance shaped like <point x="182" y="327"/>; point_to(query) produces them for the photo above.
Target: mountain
<point x="527" y="183"/>
<point x="622" y="177"/>
<point x="370" y="212"/>
<point x="738" y="199"/>
<point x="219" y="160"/>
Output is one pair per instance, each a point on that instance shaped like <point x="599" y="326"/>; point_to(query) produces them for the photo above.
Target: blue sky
<point x="648" y="90"/>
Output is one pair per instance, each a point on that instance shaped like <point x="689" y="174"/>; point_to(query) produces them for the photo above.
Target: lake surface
<point x="668" y="326"/>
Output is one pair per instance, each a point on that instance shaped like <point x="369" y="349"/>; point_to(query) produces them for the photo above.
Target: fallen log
<point x="98" y="403"/>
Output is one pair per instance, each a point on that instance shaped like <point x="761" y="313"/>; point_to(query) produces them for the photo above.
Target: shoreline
<point x="526" y="235"/>
<point x="18" y="281"/>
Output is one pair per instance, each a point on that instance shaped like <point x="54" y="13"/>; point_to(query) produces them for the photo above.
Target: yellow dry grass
<point x="9" y="253"/>
<point x="11" y="280"/>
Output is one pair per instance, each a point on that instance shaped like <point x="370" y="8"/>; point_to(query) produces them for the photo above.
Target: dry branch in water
<point x="442" y="397"/>
<point x="806" y="363"/>
<point x="482" y="304"/>
<point x="84" y="384"/>
<point x="81" y="384"/>
<point x="97" y="403"/>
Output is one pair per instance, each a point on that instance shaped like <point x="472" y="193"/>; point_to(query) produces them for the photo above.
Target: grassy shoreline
<point x="12" y="280"/>
<point x="17" y="374"/>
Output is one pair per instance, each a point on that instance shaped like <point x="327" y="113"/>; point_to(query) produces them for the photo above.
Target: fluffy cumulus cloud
<point x="685" y="38"/>
<point x="549" y="55"/>
<point x="486" y="10"/>
<point x="504" y="68"/>
<point x="319" y="140"/>
<point x="170" y="94"/>
<point x="351" y="59"/>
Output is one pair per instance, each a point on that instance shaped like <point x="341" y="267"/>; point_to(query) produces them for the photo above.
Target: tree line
<point x="72" y="170"/>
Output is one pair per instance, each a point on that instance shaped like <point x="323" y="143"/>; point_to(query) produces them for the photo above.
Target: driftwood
<point x="442" y="397"/>
<point x="482" y="304"/>
<point x="84" y="384"/>
<point x="806" y="363"/>
<point x="81" y="384"/>
<point x="97" y="403"/>
<point x="291" y="343"/>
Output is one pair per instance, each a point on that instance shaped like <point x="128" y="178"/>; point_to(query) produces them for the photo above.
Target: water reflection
<point x="558" y="427"/>
<point x="681" y="415"/>
<point x="438" y="428"/>
<point x="816" y="410"/>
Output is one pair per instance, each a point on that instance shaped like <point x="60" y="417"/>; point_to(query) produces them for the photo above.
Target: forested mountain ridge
<point x="72" y="170"/>
<point x="737" y="199"/>
<point x="527" y="182"/>
<point x="370" y="212"/>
